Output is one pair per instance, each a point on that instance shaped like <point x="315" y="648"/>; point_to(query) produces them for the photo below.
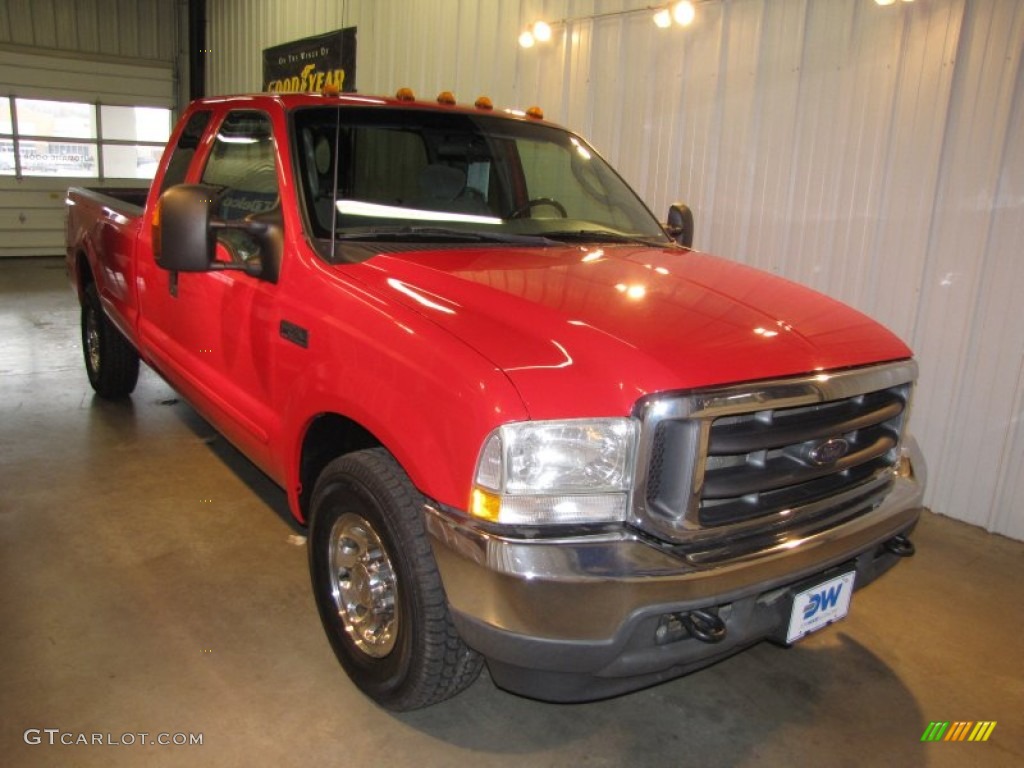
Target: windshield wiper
<point x="441" y="234"/>
<point x="602" y="236"/>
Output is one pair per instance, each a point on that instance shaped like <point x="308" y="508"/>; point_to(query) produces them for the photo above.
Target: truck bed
<point x="102" y="225"/>
<point x="126" y="200"/>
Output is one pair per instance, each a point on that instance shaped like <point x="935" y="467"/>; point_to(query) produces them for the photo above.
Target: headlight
<point x="555" y="472"/>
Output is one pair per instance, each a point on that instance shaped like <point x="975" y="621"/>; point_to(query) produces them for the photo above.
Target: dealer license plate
<point x="820" y="605"/>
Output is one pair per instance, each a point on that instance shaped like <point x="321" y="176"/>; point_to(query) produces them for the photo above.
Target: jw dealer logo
<point x="820" y="601"/>
<point x="966" y="730"/>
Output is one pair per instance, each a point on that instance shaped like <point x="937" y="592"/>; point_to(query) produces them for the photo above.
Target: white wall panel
<point x="137" y="29"/>
<point x="874" y="153"/>
<point x="971" y="329"/>
<point x="113" y="81"/>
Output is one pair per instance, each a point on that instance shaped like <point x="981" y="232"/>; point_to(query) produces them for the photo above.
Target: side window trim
<point x="190" y="140"/>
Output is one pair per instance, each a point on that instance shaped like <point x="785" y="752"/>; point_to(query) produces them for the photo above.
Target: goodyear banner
<point x="312" y="63"/>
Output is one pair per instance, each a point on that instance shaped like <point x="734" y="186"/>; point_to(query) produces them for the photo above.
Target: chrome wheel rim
<point x="92" y="339"/>
<point x="363" y="585"/>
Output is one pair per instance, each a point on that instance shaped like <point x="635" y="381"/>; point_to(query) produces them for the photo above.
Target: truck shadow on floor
<point x="145" y="417"/>
<point x="826" y="703"/>
<point x="261" y="486"/>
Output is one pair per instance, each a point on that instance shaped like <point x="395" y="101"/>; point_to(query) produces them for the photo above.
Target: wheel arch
<point x="83" y="272"/>
<point x="327" y="436"/>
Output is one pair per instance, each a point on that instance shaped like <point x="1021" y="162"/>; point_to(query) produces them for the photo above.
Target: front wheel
<point x="110" y="360"/>
<point x="377" y="587"/>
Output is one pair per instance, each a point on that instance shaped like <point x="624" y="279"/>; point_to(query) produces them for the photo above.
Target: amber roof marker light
<point x="482" y="103"/>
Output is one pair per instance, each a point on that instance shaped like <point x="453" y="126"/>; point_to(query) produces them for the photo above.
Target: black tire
<point x="384" y="610"/>
<point x="110" y="360"/>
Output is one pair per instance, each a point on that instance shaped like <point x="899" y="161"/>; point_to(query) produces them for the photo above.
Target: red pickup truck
<point x="524" y="422"/>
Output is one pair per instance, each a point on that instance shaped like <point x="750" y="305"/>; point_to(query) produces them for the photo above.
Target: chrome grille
<point x="763" y="454"/>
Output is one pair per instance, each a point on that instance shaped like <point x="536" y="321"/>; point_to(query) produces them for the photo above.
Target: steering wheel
<point x="529" y="204"/>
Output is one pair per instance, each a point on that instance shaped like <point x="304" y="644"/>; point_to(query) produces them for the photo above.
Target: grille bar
<point x="748" y="508"/>
<point x="777" y="429"/>
<point x="784" y="471"/>
<point x="715" y="464"/>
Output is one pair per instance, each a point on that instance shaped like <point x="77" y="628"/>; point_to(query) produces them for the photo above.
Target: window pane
<point x="136" y="123"/>
<point x="566" y="172"/>
<point x="122" y="162"/>
<point x="6" y="157"/>
<point x="387" y="164"/>
<point x="57" y="158"/>
<point x="242" y="163"/>
<point x="5" y="115"/>
<point x="180" y="161"/>
<point x="55" y="118"/>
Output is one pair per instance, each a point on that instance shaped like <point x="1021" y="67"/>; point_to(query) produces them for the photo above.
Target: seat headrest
<point x="442" y="182"/>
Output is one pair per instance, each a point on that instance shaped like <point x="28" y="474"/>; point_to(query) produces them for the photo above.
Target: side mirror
<point x="183" y="240"/>
<point x="680" y="224"/>
<point x="185" y="234"/>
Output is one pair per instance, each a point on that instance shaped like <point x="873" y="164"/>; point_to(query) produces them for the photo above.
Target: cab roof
<point x="404" y="99"/>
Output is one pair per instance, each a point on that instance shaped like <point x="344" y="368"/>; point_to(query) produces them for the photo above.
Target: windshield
<point x="421" y="175"/>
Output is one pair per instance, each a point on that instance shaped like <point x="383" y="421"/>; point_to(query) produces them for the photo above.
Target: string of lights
<point x="682" y="14"/>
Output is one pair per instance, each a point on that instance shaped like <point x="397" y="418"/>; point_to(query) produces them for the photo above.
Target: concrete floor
<point x="151" y="582"/>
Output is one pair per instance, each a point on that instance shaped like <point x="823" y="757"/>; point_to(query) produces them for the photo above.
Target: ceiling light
<point x="526" y="39"/>
<point x="684" y="13"/>
<point x="663" y="18"/>
<point x="541" y="31"/>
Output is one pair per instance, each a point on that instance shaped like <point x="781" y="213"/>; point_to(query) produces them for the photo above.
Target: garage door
<point x="88" y="121"/>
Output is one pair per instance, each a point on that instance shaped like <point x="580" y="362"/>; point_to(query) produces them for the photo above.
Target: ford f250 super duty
<point x="525" y="423"/>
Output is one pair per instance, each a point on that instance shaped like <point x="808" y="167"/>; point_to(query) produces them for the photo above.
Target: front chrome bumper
<point x="573" y="606"/>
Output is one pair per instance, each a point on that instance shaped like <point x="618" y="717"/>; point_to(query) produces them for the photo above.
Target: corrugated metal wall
<point x="136" y="29"/>
<point x="114" y="51"/>
<point x="875" y="153"/>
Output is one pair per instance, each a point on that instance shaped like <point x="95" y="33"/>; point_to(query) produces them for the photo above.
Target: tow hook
<point x="901" y="546"/>
<point x="704" y="625"/>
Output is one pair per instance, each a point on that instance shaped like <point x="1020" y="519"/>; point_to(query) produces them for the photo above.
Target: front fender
<point x="418" y="390"/>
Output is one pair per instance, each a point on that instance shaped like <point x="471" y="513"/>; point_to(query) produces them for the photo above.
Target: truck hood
<point x="585" y="331"/>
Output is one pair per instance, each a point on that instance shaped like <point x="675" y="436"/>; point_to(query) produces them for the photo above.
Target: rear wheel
<point x="110" y="360"/>
<point x="377" y="587"/>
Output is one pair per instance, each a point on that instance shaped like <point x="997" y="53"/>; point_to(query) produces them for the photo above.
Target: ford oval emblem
<point x="830" y="451"/>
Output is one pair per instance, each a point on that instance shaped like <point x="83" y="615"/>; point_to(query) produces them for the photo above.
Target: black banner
<point x="312" y="63"/>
